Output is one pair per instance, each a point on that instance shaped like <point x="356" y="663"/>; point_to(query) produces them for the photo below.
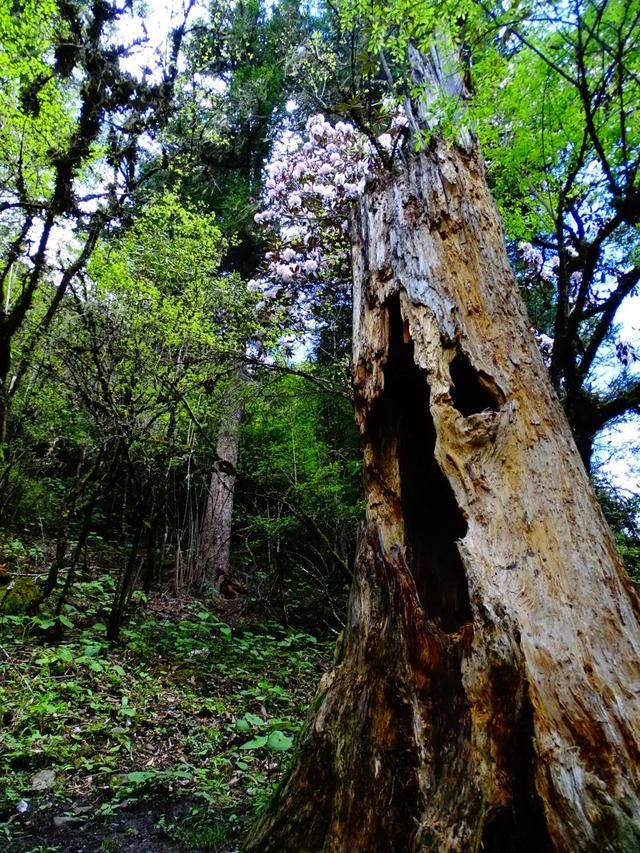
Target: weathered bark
<point x="214" y="547"/>
<point x="486" y="694"/>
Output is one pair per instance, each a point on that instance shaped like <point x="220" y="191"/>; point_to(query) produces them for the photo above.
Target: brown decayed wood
<point x="486" y="693"/>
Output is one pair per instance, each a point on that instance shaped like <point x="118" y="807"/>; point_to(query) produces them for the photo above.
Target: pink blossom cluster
<point x="535" y="263"/>
<point x="541" y="268"/>
<point x="544" y="269"/>
<point x="308" y="191"/>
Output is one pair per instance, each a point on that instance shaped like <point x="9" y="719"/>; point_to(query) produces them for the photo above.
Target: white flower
<point x="272" y="292"/>
<point x="545" y="345"/>
<point x="293" y="232"/>
<point x="310" y="266"/>
<point x="285" y="272"/>
<point x="288" y="255"/>
<point x="294" y="200"/>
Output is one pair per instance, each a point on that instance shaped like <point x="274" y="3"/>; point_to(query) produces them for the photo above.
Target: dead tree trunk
<point x="214" y="547"/>
<point x="486" y="692"/>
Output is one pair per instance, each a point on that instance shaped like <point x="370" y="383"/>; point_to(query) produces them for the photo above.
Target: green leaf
<point x="179" y="774"/>
<point x="279" y="742"/>
<point x="255" y="743"/>
<point x="138" y="776"/>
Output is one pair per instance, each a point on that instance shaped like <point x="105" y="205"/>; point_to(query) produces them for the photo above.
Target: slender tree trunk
<point x="214" y="547"/>
<point x="5" y="366"/>
<point x="127" y="574"/>
<point x="486" y="691"/>
<point x="83" y="535"/>
<point x="67" y="516"/>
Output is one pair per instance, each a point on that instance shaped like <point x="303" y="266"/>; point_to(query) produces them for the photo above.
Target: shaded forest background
<point x="155" y="312"/>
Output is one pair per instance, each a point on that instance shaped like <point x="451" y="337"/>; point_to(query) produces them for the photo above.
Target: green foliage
<point x="104" y="719"/>
<point x="534" y="119"/>
<point x="162" y="282"/>
<point x="73" y="119"/>
<point x="37" y="114"/>
<point x="130" y="366"/>
<point x="622" y="511"/>
<point x="393" y="25"/>
<point x="300" y="495"/>
<point x="220" y="140"/>
<point x="200" y="831"/>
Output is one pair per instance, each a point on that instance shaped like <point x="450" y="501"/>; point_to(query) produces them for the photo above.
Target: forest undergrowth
<point x="172" y="740"/>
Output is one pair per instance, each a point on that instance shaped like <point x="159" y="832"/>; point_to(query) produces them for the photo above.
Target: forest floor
<point x="170" y="741"/>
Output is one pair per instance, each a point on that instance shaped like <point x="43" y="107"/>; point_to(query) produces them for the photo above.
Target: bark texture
<point x="486" y="692"/>
<point x="214" y="547"/>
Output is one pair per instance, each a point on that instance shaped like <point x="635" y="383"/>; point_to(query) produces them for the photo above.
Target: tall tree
<point x="485" y="691"/>
<point x="214" y="545"/>
<point x="131" y="351"/>
<point x="73" y="118"/>
<point x="238" y="60"/>
<point x="557" y="96"/>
